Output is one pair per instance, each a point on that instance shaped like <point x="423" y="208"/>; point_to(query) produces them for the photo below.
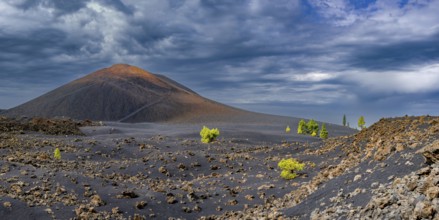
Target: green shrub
<point x="287" y="130"/>
<point x="288" y="175"/>
<point x="209" y="135"/>
<point x="289" y="168"/>
<point x="323" y="132"/>
<point x="57" y="154"/>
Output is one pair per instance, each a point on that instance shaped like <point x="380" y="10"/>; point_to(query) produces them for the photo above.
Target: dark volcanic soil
<point x="122" y="171"/>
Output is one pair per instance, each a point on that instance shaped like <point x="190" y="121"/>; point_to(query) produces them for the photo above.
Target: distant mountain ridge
<point x="123" y="93"/>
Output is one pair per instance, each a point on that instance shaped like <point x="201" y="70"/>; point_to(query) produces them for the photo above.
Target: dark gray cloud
<point x="307" y="58"/>
<point x="397" y="55"/>
<point x="63" y="7"/>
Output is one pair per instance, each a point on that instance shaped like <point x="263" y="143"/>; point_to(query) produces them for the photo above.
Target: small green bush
<point x="288" y="129"/>
<point x="209" y="135"/>
<point x="289" y="168"/>
<point x="57" y="154"/>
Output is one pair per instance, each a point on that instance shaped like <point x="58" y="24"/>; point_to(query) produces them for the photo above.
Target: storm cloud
<point x="306" y="58"/>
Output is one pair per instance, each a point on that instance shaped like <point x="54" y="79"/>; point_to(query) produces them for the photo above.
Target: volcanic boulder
<point x="431" y="152"/>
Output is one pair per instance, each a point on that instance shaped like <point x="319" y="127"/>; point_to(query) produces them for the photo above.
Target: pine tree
<point x="57" y="154"/>
<point x="312" y="127"/>
<point x="323" y="132"/>
<point x="301" y="127"/>
<point x="361" y="122"/>
<point x="344" y="120"/>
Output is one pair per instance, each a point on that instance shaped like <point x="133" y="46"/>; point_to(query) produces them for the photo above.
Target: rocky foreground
<point x="387" y="171"/>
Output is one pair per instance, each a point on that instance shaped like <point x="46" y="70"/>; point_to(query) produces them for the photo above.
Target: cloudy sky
<point x="306" y="58"/>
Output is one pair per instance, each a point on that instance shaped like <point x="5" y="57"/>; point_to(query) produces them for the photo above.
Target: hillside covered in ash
<point x="123" y="93"/>
<point x="387" y="171"/>
<point x="143" y="171"/>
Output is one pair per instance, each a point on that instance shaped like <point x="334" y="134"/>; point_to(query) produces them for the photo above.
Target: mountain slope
<point x="123" y="93"/>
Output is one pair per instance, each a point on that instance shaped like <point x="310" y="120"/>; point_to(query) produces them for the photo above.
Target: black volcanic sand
<point x="153" y="170"/>
<point x="147" y="170"/>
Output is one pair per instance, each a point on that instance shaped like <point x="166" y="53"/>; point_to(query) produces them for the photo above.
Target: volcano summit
<point x="123" y="93"/>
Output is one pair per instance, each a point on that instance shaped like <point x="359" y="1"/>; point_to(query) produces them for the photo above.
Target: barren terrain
<point x="162" y="171"/>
